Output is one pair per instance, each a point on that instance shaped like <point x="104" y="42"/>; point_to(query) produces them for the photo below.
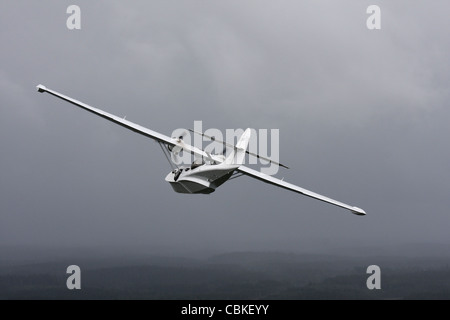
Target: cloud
<point x="362" y="118"/>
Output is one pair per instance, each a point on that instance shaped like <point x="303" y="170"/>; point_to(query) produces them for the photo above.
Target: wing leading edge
<point x="289" y="186"/>
<point x="128" y="124"/>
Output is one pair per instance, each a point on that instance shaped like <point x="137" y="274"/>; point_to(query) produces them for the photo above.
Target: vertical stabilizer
<point x="237" y="156"/>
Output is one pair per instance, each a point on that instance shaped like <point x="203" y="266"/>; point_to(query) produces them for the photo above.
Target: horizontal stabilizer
<point x="234" y="147"/>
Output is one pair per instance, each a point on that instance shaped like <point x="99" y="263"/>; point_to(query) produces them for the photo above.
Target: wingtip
<point x="359" y="211"/>
<point x="41" y="88"/>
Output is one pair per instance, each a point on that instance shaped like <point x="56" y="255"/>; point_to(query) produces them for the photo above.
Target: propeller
<point x="175" y="150"/>
<point x="212" y="138"/>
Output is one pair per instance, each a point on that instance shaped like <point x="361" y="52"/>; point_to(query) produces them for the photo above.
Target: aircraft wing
<point x="128" y="124"/>
<point x="280" y="183"/>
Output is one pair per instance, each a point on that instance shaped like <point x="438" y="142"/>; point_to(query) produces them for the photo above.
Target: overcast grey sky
<point x="363" y="118"/>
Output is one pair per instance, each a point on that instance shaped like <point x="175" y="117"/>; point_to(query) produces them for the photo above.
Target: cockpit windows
<point x="197" y="163"/>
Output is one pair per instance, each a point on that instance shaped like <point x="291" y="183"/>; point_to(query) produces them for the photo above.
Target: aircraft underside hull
<point x="204" y="179"/>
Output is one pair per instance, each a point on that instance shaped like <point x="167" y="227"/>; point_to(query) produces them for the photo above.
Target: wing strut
<point x="166" y="154"/>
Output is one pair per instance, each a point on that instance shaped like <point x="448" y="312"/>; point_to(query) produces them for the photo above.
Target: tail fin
<point x="237" y="156"/>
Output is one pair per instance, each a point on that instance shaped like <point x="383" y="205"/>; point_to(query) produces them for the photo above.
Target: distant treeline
<point x="243" y="276"/>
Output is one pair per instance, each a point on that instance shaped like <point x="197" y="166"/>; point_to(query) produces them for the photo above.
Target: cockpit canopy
<point x="197" y="163"/>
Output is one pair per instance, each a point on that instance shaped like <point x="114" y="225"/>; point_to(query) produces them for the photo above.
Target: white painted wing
<point x="289" y="186"/>
<point x="130" y="125"/>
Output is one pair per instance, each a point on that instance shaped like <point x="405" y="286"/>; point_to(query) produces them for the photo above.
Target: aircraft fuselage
<point x="202" y="179"/>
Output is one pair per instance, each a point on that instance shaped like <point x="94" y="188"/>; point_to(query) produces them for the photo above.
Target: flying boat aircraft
<point x="208" y="171"/>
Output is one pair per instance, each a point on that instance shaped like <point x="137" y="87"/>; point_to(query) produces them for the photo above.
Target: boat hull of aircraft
<point x="202" y="179"/>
